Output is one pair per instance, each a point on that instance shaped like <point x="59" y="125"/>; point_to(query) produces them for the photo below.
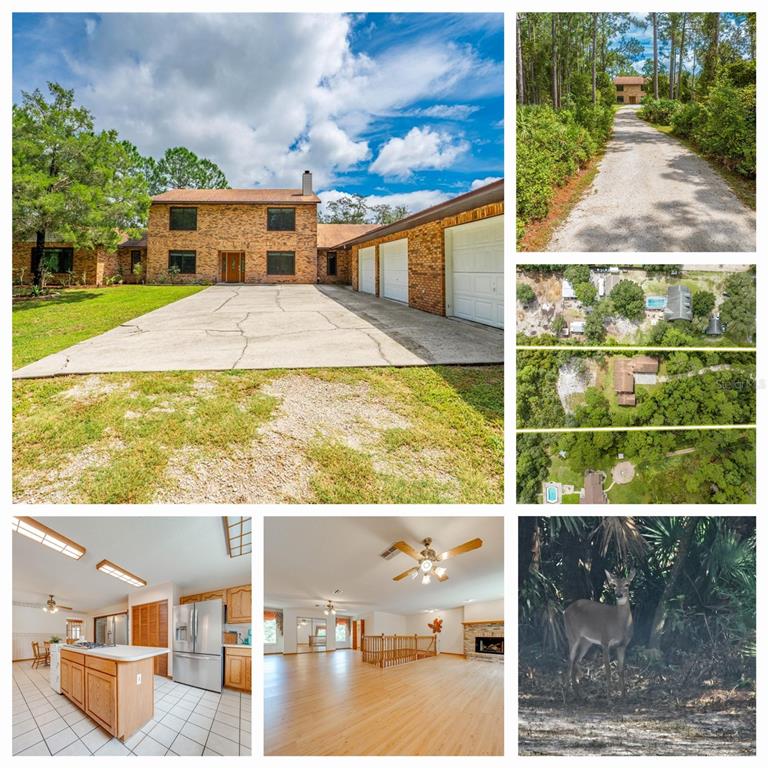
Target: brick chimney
<point x="306" y="183"/>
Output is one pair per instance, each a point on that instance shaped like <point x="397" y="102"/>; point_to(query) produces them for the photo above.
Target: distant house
<point x="629" y="90"/>
<point x="679" y="304"/>
<point x="567" y="290"/>
<point x="577" y="326"/>
<point x="715" y="327"/>
<point x="593" y="492"/>
<point x="629" y="371"/>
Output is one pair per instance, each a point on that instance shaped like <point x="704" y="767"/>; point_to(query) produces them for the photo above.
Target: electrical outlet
<point x="138" y="679"/>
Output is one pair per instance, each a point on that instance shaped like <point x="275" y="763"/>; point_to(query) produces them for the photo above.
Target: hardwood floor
<point x="335" y="704"/>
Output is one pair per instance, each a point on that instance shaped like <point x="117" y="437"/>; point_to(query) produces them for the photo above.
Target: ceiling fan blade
<point x="405" y="573"/>
<point x="407" y="549"/>
<point x="467" y="546"/>
<point x="443" y="577"/>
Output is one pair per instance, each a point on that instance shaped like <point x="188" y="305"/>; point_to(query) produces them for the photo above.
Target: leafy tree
<point x="576" y="273"/>
<point x="586" y="293"/>
<point x="702" y="303"/>
<point x="629" y="300"/>
<point x="525" y="294"/>
<point x="354" y="209"/>
<point x="738" y="309"/>
<point x="180" y="168"/>
<point x="558" y="325"/>
<point x="69" y="180"/>
<point x="594" y="327"/>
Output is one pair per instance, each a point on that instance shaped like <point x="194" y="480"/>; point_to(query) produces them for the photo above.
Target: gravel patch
<point x="90" y="387"/>
<point x="574" y="377"/>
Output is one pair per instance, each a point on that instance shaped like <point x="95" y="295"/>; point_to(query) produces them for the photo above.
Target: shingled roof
<point x="629" y="80"/>
<point x="239" y="196"/>
<point x="329" y="235"/>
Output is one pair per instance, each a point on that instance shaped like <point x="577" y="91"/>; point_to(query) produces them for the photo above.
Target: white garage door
<point x="367" y="269"/>
<point x="475" y="271"/>
<point x="394" y="270"/>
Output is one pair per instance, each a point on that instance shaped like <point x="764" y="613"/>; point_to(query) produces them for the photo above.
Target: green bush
<point x="525" y="294"/>
<point x="687" y="118"/>
<point x="551" y="146"/>
<point x="658" y="111"/>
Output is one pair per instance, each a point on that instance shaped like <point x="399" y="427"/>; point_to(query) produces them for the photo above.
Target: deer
<point x="589" y="623"/>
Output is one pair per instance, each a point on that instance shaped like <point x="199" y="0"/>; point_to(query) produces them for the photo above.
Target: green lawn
<point x="44" y="326"/>
<point x="403" y="435"/>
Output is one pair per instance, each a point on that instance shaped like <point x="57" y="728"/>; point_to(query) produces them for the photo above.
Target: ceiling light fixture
<point x="42" y="534"/>
<point x="50" y="605"/>
<point x="426" y="579"/>
<point x="329" y="608"/>
<point x="237" y="533"/>
<point x="105" y="566"/>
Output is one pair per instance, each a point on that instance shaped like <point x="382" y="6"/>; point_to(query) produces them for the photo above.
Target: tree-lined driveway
<point x="651" y="193"/>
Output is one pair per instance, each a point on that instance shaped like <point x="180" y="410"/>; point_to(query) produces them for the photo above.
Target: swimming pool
<point x="656" y="302"/>
<point x="551" y="494"/>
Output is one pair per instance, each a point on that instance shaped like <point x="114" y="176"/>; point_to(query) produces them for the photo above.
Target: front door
<point x="633" y="99"/>
<point x="232" y="266"/>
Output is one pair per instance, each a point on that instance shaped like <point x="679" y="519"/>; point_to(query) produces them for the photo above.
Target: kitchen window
<point x="185" y="261"/>
<point x="281" y="219"/>
<point x="281" y="263"/>
<point x="183" y="218"/>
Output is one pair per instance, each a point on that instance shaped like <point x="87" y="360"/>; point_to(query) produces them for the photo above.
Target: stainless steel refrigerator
<point x="197" y="649"/>
<point x="112" y="630"/>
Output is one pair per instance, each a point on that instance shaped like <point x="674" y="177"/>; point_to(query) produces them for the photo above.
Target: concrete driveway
<point x="261" y="326"/>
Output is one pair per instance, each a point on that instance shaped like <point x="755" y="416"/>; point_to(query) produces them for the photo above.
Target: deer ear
<point x="610" y="577"/>
<point x="631" y="575"/>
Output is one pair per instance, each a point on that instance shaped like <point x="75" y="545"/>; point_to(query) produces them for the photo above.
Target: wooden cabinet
<point x="218" y="594"/>
<point x="72" y="678"/>
<point x="101" y="698"/>
<point x="237" y="668"/>
<point x="189" y="599"/>
<point x="239" y="605"/>
<point x="149" y="627"/>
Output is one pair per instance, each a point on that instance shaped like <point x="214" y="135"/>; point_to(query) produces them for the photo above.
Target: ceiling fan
<point x="428" y="559"/>
<point x="51" y="606"/>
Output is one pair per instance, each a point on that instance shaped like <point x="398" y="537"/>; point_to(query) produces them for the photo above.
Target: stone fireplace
<point x="484" y="640"/>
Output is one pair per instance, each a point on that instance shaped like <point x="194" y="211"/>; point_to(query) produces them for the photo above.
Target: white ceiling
<point x="307" y="558"/>
<point x="189" y="551"/>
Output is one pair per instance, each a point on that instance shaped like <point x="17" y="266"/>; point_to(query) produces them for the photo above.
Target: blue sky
<point x="405" y="108"/>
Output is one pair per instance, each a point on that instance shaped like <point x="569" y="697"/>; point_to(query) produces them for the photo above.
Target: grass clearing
<point x="407" y="435"/>
<point x="44" y="326"/>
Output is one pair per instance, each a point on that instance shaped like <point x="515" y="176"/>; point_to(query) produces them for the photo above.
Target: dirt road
<point x="653" y="194"/>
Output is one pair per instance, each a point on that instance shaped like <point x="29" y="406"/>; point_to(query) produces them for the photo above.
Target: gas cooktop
<point x="94" y="645"/>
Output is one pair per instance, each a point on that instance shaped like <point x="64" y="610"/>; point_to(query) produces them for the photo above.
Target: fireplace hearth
<point x="490" y="645"/>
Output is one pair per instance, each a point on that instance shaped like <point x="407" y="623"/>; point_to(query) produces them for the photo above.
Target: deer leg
<point x="620" y="661"/>
<point x="607" y="662"/>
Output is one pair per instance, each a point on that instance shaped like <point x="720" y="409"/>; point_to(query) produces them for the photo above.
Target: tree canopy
<point x="180" y="168"/>
<point x="355" y="209"/>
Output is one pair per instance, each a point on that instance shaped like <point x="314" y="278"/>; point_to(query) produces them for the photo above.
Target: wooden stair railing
<point x="391" y="650"/>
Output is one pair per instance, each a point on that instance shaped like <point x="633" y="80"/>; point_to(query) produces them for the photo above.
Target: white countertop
<point x="237" y="645"/>
<point x="119" y="652"/>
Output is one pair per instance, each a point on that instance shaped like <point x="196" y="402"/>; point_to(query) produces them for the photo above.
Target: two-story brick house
<point x="629" y="89"/>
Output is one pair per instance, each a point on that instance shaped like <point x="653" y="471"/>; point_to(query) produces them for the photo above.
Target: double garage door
<point x="393" y="270"/>
<point x="475" y="271"/>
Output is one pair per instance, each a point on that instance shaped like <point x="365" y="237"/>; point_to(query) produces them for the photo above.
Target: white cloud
<point x="420" y="148"/>
<point x="447" y="111"/>
<point x="267" y="95"/>
<point x="477" y="183"/>
<point x="414" y="201"/>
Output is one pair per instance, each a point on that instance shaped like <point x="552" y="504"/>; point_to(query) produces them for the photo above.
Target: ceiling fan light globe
<point x="426" y="566"/>
<point x="440" y="571"/>
<point x="325" y="611"/>
<point x="426" y="579"/>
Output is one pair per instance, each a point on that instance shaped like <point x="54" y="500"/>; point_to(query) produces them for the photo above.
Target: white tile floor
<point x="188" y="721"/>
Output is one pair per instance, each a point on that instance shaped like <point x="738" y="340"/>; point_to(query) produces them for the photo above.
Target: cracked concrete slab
<point x="286" y="326"/>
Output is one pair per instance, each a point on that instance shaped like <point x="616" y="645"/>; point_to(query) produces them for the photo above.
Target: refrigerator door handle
<point x="194" y="608"/>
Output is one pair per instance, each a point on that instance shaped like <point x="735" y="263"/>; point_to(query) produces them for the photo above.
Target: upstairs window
<point x="186" y="261"/>
<point x="619" y="87"/>
<point x="183" y="218"/>
<point x="281" y="263"/>
<point x="281" y="219"/>
<point x="57" y="259"/>
<point x="331" y="263"/>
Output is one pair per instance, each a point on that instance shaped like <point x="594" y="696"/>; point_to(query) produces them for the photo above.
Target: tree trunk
<point x="660" y="614"/>
<point x="520" y="68"/>
<point x="594" y="54"/>
<point x="680" y="65"/>
<point x="555" y="99"/>
<point x="37" y="257"/>
<point x="671" y="56"/>
<point x="655" y="56"/>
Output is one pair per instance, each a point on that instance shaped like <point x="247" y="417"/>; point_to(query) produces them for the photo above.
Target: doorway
<point x="232" y="265"/>
<point x="311" y="635"/>
<point x="633" y="99"/>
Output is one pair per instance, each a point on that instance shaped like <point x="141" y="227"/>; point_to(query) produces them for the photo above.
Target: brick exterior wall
<point x="426" y="257"/>
<point x="343" y="276"/>
<point x="124" y="264"/>
<point x="233" y="227"/>
<point x="90" y="266"/>
<point x="489" y="629"/>
<point x="631" y="90"/>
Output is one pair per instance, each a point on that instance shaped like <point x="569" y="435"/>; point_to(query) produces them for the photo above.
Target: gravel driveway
<point x="653" y="194"/>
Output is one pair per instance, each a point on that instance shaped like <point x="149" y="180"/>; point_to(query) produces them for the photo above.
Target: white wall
<point x="166" y="591"/>
<point x="386" y="624"/>
<point x="35" y="625"/>
<point x="451" y="638"/>
<point x="491" y="610"/>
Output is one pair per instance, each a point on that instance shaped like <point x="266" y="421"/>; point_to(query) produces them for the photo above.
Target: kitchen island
<point x="113" y="685"/>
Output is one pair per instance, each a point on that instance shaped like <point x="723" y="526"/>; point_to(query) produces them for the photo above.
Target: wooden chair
<point x="39" y="656"/>
<point x="47" y="645"/>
